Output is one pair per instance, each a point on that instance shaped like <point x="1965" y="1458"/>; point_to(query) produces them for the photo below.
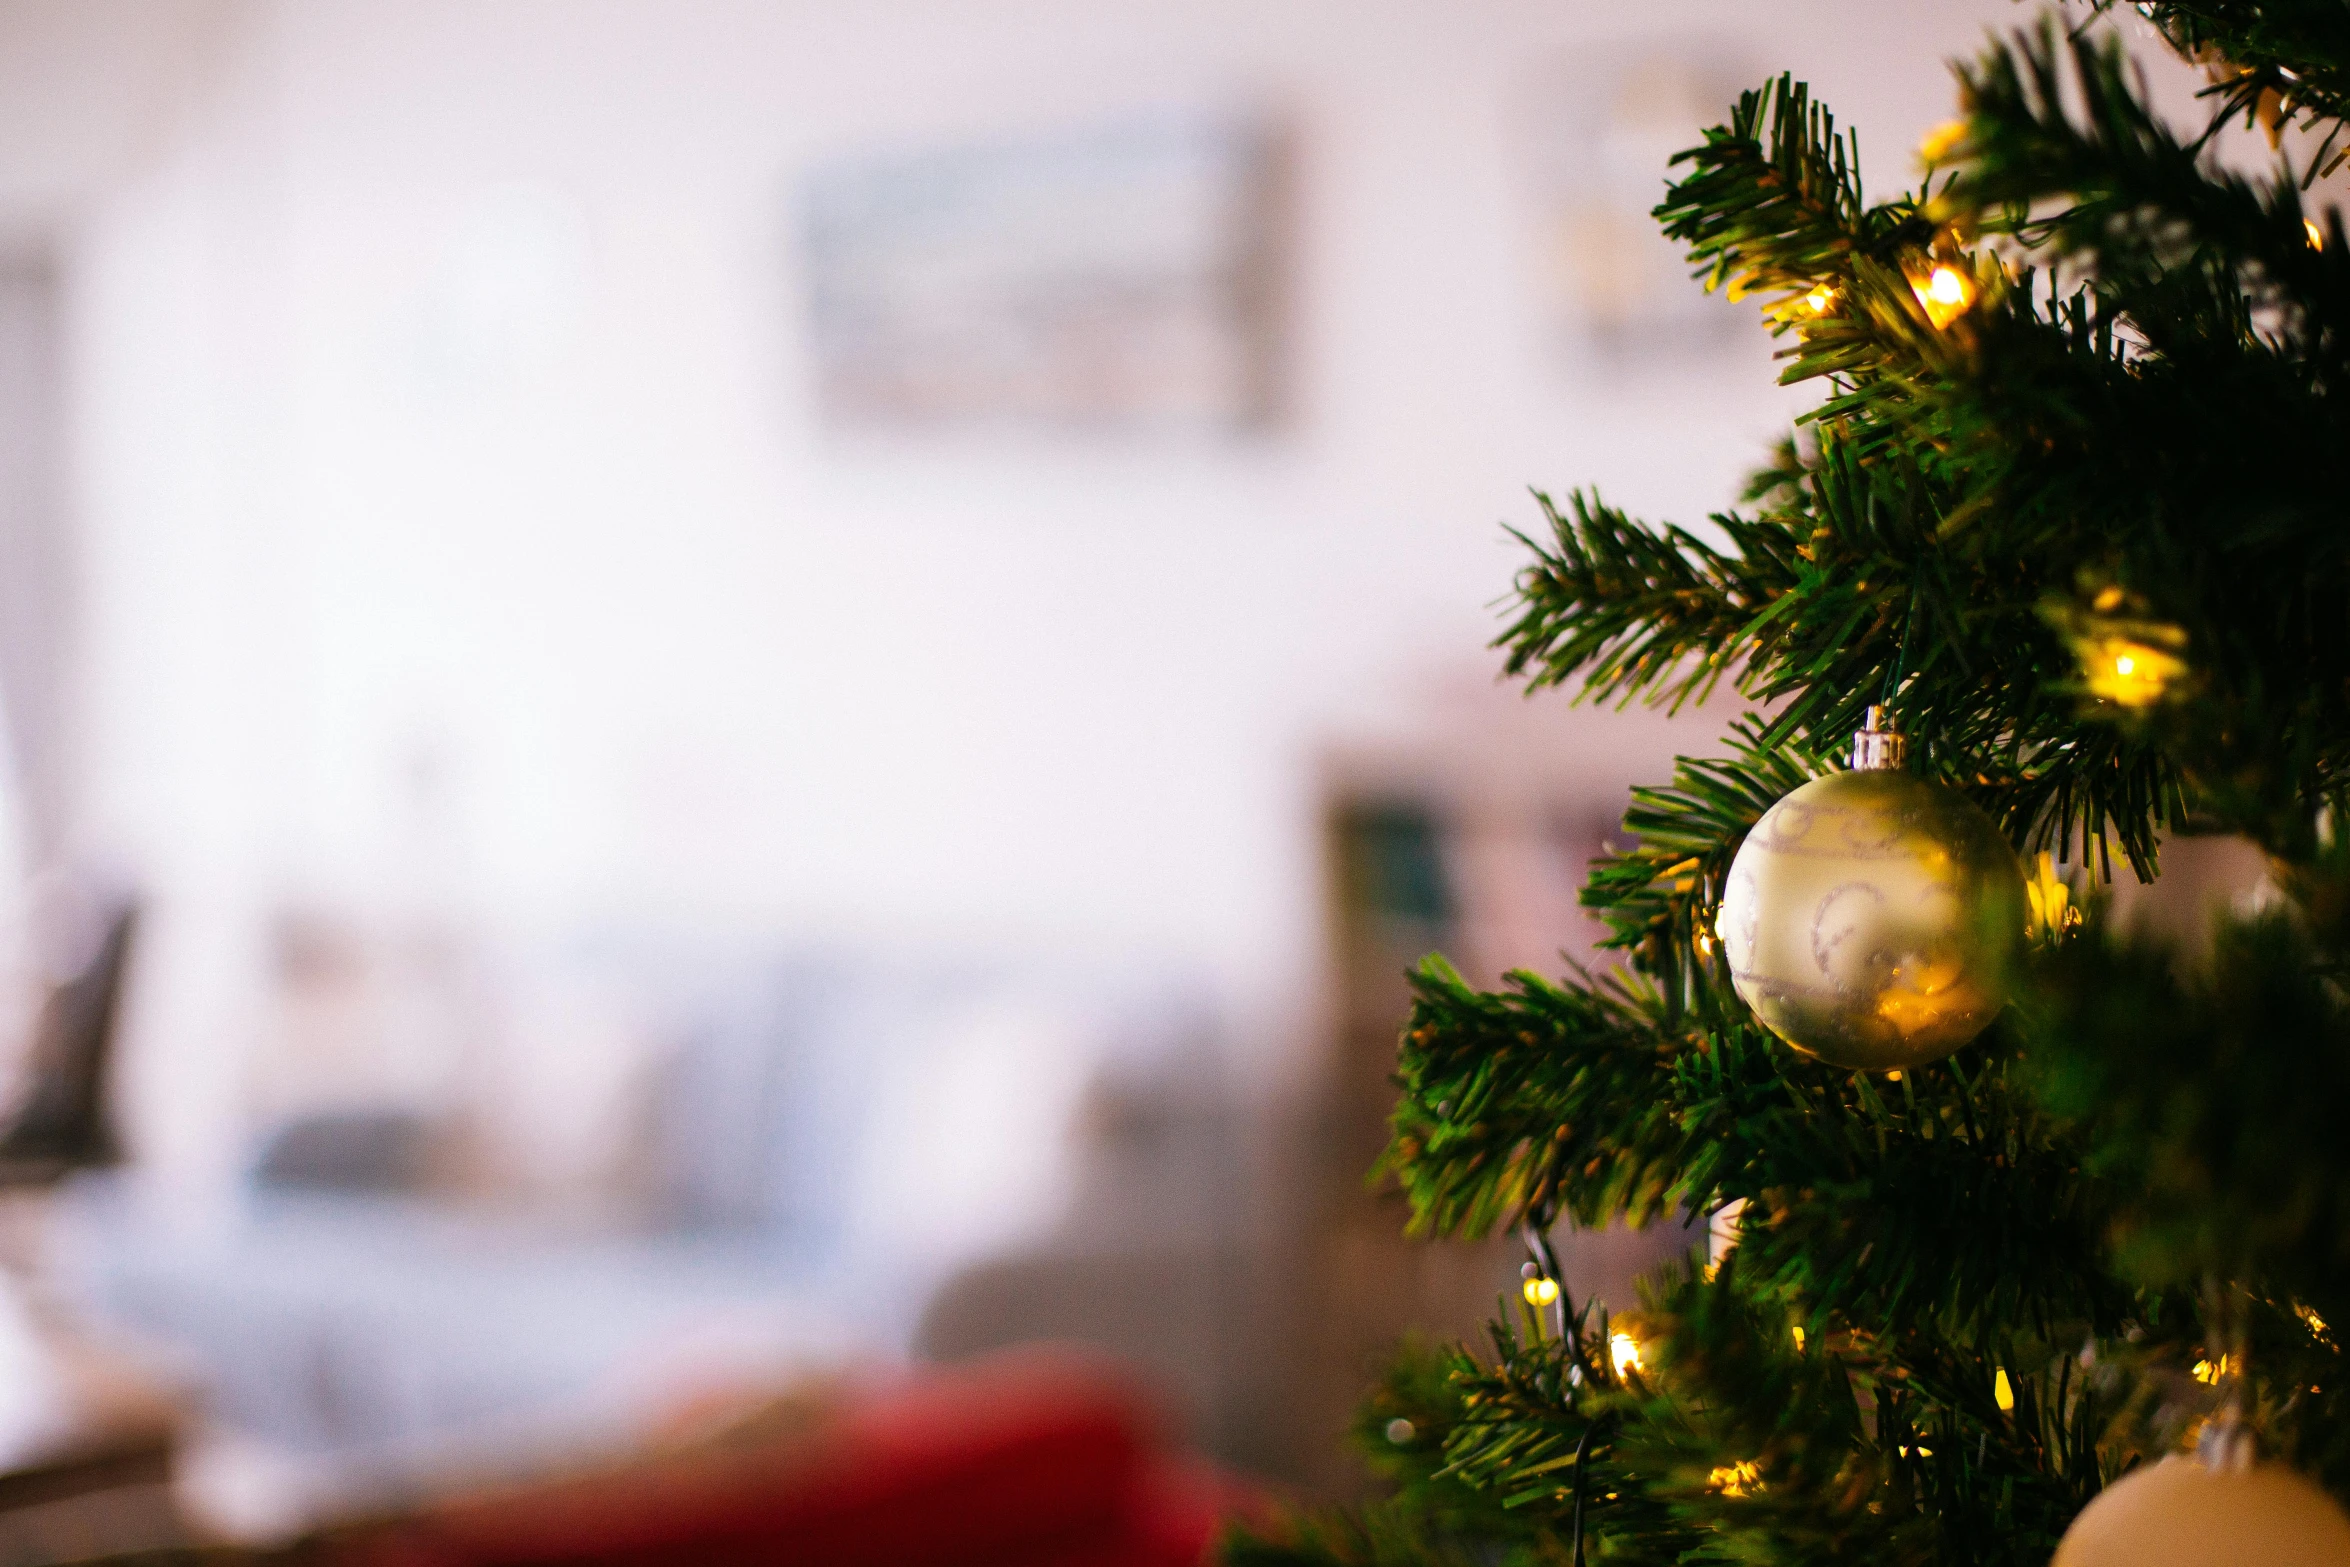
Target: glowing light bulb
<point x="1941" y="141"/>
<point x="1540" y="1291"/>
<point x="1624" y="1352"/>
<point x="1736" y="1479"/>
<point x="1945" y="292"/>
<point x="1820" y="299"/>
<point x="2049" y="899"/>
<point x="2130" y="671"/>
<point x="1799" y="1338"/>
<point x="2003" y="1391"/>
<point x="2317" y="238"/>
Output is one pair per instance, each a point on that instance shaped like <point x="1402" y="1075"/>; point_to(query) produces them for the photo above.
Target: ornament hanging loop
<point x="1879" y="747"/>
<point x="2227" y="1444"/>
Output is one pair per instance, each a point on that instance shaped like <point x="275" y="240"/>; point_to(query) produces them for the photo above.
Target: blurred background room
<point x="707" y="696"/>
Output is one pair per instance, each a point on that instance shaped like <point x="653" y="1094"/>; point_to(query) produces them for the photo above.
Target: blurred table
<point x="87" y="1442"/>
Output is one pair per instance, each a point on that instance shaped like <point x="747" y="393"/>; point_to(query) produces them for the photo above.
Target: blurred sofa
<point x="832" y="1161"/>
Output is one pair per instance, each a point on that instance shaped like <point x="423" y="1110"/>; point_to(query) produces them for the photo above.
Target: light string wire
<point x="1534" y="1227"/>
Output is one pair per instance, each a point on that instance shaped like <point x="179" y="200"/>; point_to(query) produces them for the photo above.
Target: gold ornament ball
<point x="1872" y="919"/>
<point x="2182" y="1513"/>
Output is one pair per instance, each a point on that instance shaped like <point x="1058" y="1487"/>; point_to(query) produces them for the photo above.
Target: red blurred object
<point x="1022" y="1464"/>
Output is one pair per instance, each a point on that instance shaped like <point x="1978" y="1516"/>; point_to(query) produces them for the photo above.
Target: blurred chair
<point x="62" y="1124"/>
<point x="86" y="1439"/>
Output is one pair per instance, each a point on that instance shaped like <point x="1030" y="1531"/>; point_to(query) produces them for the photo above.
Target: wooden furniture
<point x="87" y="1445"/>
<point x="1464" y="827"/>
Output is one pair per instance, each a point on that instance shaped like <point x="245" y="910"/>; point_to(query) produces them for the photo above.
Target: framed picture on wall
<point x="1117" y="277"/>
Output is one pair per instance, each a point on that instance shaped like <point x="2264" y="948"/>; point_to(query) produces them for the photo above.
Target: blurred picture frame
<point x="1120" y="277"/>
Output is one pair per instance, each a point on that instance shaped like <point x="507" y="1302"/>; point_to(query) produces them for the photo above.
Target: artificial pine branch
<point x="2274" y="62"/>
<point x="1960" y="1303"/>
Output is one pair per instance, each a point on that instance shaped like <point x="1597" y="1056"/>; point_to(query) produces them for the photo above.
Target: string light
<point x="2317" y="238"/>
<point x="1736" y="1479"/>
<point x="2210" y="1371"/>
<point x="1624" y="1352"/>
<point x="1540" y="1291"/>
<point x="2126" y="671"/>
<point x="2311" y="1320"/>
<point x="1945" y="292"/>
<point x="1799" y="1338"/>
<point x="1940" y="141"/>
<point x="2003" y="1391"/>
<point x="1819" y="299"/>
<point x="2050" y="899"/>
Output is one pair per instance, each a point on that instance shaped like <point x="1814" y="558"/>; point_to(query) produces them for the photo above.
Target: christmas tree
<point x="2070" y="510"/>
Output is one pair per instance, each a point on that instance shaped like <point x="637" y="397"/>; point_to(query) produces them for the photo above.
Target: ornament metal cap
<point x="1879" y="747"/>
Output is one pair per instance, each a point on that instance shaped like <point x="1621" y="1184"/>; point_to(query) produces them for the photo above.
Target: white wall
<point x="442" y="402"/>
